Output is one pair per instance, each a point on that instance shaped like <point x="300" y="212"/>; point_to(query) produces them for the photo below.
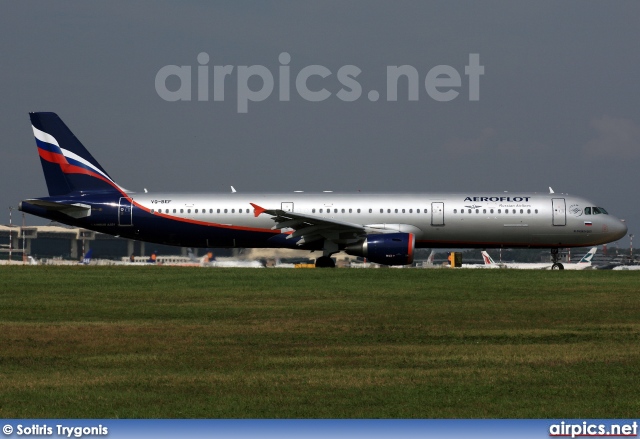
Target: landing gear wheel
<point x="325" y="262"/>
<point x="555" y="257"/>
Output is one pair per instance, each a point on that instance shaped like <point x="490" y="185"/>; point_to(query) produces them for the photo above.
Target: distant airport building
<point x="59" y="241"/>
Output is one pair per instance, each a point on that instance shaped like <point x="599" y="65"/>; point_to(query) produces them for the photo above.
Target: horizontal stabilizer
<point x="75" y="210"/>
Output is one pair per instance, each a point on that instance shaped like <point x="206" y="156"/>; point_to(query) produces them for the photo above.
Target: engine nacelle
<point x="385" y="248"/>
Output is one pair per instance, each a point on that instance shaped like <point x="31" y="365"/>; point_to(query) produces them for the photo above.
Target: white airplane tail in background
<point x="586" y="259"/>
<point x="487" y="259"/>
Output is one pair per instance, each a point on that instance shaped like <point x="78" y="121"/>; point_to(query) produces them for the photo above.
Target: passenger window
<point x="506" y="211"/>
<point x="174" y="211"/>
<point x="225" y="211"/>
<point x="521" y="211"/>
<point x="152" y="211"/>
<point x="418" y="211"/>
<point x="477" y="210"/>
<point x="218" y="211"/>
<point x="461" y="211"/>
<point x="410" y="210"/>
<point x="388" y="210"/>
<point x="313" y="211"/>
<point x="491" y="210"/>
<point x="469" y="210"/>
<point x="402" y="210"/>
<point x="336" y="210"/>
<point x="455" y="210"/>
<point x="233" y="211"/>
<point x="396" y="211"/>
<point x="181" y="210"/>
<point x="528" y="210"/>
<point x="484" y="210"/>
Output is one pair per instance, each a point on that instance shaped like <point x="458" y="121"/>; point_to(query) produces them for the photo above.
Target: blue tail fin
<point x="87" y="257"/>
<point x="67" y="165"/>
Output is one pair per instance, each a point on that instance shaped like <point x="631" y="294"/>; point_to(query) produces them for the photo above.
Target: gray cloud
<point x="616" y="139"/>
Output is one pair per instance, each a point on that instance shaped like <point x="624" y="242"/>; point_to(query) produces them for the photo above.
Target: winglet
<point x="257" y="210"/>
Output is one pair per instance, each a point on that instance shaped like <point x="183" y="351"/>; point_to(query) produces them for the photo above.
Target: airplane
<point x="626" y="267"/>
<point x="585" y="262"/>
<point x="384" y="228"/>
<point x="209" y="260"/>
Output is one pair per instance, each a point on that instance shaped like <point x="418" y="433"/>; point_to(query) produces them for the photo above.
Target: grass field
<point x="152" y="342"/>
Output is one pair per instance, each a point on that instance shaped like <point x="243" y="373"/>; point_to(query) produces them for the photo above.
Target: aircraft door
<point x="125" y="212"/>
<point x="287" y="207"/>
<point x="437" y="214"/>
<point x="559" y="212"/>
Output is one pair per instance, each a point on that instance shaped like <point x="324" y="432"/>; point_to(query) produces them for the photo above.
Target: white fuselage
<point x="436" y="219"/>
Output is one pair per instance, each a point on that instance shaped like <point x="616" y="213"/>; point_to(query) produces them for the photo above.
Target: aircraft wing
<point x="311" y="228"/>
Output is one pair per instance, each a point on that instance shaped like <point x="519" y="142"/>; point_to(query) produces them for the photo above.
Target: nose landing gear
<point x="555" y="257"/>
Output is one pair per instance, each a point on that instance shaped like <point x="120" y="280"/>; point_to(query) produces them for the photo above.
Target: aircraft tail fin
<point x="87" y="257"/>
<point x="586" y="259"/>
<point x="487" y="259"/>
<point x="431" y="257"/>
<point x="66" y="163"/>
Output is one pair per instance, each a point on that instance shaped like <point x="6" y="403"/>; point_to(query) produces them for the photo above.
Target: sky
<point x="557" y="103"/>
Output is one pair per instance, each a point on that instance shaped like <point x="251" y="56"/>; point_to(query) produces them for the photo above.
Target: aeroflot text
<point x="510" y="199"/>
<point x="440" y="82"/>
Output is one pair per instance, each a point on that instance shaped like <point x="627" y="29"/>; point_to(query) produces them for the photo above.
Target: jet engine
<point x="385" y="248"/>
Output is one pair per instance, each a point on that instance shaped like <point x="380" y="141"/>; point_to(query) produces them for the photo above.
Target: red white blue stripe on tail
<point x="67" y="165"/>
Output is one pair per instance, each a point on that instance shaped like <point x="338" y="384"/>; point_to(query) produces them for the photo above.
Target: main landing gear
<point x="329" y="248"/>
<point x="325" y="262"/>
<point x="555" y="257"/>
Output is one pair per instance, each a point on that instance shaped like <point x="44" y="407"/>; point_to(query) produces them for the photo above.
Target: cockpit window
<point x="597" y="210"/>
<point x="587" y="211"/>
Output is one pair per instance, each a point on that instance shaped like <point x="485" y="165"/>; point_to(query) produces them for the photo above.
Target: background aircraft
<point x="585" y="262"/>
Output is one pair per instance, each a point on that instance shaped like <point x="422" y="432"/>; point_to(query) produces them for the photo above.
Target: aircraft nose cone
<point x="618" y="229"/>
